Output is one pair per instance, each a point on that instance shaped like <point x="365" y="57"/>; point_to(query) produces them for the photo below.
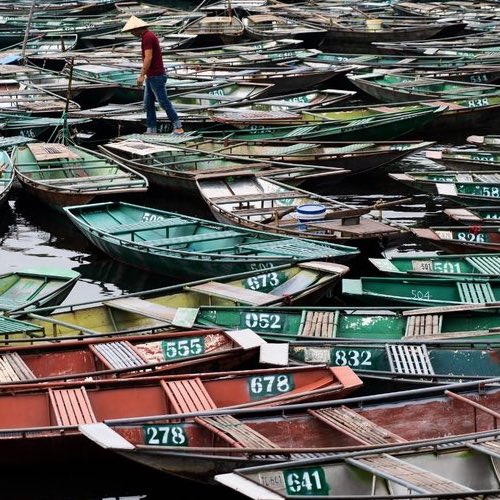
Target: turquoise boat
<point x="291" y="324"/>
<point x="377" y="127"/>
<point x="415" y="360"/>
<point x="23" y="290"/>
<point x="422" y="291"/>
<point x="471" y="265"/>
<point x="474" y="215"/>
<point x="183" y="247"/>
<point x="175" y="307"/>
<point x="466" y="188"/>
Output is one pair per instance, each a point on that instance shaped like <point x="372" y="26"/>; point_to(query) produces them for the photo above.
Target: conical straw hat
<point x="134" y="23"/>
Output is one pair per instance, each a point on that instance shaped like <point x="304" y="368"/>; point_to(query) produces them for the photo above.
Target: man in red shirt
<point x="152" y="76"/>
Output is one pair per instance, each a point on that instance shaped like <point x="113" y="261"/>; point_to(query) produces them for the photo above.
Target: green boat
<point x="490" y="141"/>
<point x="466" y="159"/>
<point x="393" y="87"/>
<point x="290" y="324"/>
<point x="451" y="359"/>
<point x="22" y="290"/>
<point x="471" y="265"/>
<point x="465" y="188"/>
<point x="422" y="291"/>
<point x="377" y="127"/>
<point x="6" y="176"/>
<point x="61" y="175"/>
<point x="175" y="307"/>
<point x="183" y="247"/>
<point x="474" y="215"/>
<point x="462" y="113"/>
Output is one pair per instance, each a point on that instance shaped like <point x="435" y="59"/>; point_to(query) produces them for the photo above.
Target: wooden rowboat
<point x="6" y="176"/>
<point x="463" y="238"/>
<point x="127" y="356"/>
<point x="439" y="471"/>
<point x="485" y="141"/>
<point x="474" y="215"/>
<point x="270" y="206"/>
<point x="466" y="159"/>
<point x="214" y="442"/>
<point x="175" y="307"/>
<point x="30" y="288"/>
<point x="348" y="323"/>
<point x="180" y="246"/>
<point x="61" y="175"/>
<point x="472" y="265"/>
<point x="50" y="415"/>
<point x="462" y="187"/>
<point x="422" y="291"/>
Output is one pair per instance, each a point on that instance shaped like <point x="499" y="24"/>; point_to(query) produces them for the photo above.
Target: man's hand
<point x="140" y="80"/>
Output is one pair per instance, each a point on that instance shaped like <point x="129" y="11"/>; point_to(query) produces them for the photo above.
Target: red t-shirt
<point x="150" y="41"/>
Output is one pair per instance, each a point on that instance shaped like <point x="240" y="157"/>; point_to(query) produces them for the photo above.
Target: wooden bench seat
<point x="187" y="396"/>
<point x="14" y="369"/>
<point x="71" y="406"/>
<point x="235" y="293"/>
<point x="147" y="226"/>
<point x="423" y="324"/>
<point x="409" y="359"/>
<point x="246" y="198"/>
<point x="118" y="355"/>
<point x="408" y="475"/>
<point x="143" y="308"/>
<point x="321" y="324"/>
<point x="355" y="426"/>
<point x="195" y="238"/>
<point x="235" y="432"/>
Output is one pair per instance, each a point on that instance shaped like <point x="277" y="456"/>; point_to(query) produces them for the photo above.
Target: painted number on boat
<point x="148" y="217"/>
<point x="263" y="281"/>
<point x="428" y="266"/>
<point x="311" y="481"/>
<point x="472" y="237"/>
<point x="166" y="435"/>
<point x="421" y="294"/>
<point x="352" y="357"/>
<point x="478" y="103"/>
<point x="263" y="321"/>
<point x="270" y="385"/>
<point x="183" y="347"/>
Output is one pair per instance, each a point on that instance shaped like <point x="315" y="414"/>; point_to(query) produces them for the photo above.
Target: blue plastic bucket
<point x="310" y="212"/>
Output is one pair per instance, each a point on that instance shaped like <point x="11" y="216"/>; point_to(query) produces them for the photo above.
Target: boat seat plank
<point x="476" y="293"/>
<point x="118" y="355"/>
<point x="491" y="448"/>
<point x="409" y="359"/>
<point x="365" y="227"/>
<point x="321" y="324"/>
<point x="245" y="198"/>
<point x="14" y="369"/>
<point x="143" y="307"/>
<point x="353" y="424"/>
<point x="236" y="293"/>
<point x="235" y="432"/>
<point x="485" y="264"/>
<point x="248" y="212"/>
<point x="188" y="395"/>
<point x="71" y="406"/>
<point x="12" y="326"/>
<point x="195" y="238"/>
<point x="423" y="324"/>
<point x="297" y="248"/>
<point x="50" y="151"/>
<point x="401" y="472"/>
<point x="134" y="227"/>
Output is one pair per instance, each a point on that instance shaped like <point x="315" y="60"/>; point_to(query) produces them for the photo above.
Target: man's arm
<point x="146" y="63"/>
